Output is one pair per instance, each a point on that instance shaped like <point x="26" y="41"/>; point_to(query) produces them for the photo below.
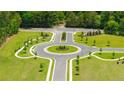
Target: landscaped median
<point x="91" y="67"/>
<point x="63" y="37"/>
<point x="13" y="68"/>
<point x="62" y="49"/>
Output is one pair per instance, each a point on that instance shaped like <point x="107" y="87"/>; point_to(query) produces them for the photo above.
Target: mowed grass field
<point x="40" y="40"/>
<point x="109" y="55"/>
<point x="95" y="69"/>
<point x="12" y="68"/>
<point x="101" y="40"/>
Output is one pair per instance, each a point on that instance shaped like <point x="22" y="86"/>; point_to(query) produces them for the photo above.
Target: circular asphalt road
<point x="61" y="60"/>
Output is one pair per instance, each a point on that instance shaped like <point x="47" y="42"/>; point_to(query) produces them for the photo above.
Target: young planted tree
<point x="41" y="34"/>
<point x="41" y="68"/>
<point x="35" y="53"/>
<point x="77" y="60"/>
<point x="63" y="36"/>
<point x="99" y="32"/>
<point x="89" y="54"/>
<point x="94" y="43"/>
<point x="113" y="55"/>
<point x="26" y="43"/>
<point x="100" y="51"/>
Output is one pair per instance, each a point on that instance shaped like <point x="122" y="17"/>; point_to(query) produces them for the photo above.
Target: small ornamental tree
<point x="89" y="54"/>
<point x="37" y="39"/>
<point x="63" y="36"/>
<point x="94" y="42"/>
<point x="77" y="69"/>
<point x="31" y="41"/>
<point x="77" y="60"/>
<point x="46" y="35"/>
<point x="41" y="66"/>
<point x="90" y="33"/>
<point x="113" y="55"/>
<point x="100" y="51"/>
<point x="78" y="57"/>
<point x="97" y="33"/>
<point x="87" y="34"/>
<point x="35" y="53"/>
<point x="41" y="34"/>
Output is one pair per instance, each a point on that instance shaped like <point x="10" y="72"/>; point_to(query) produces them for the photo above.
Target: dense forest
<point x="9" y="24"/>
<point x="111" y="22"/>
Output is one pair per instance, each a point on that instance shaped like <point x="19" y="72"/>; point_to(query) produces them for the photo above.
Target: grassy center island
<point x="62" y="49"/>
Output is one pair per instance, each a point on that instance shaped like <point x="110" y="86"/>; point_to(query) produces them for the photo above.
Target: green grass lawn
<point x="109" y="55"/>
<point x="95" y="69"/>
<point x="12" y="68"/>
<point x="41" y="40"/>
<point x="101" y="40"/>
<point x="55" y="49"/>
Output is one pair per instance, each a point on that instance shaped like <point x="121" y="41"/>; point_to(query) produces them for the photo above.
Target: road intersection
<point x="60" y="61"/>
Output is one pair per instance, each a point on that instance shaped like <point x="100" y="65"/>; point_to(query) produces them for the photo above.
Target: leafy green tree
<point x="26" y="19"/>
<point x="104" y="18"/>
<point x="94" y="42"/>
<point x="97" y="21"/>
<point x="9" y="24"/>
<point x="121" y="27"/>
<point x="111" y="27"/>
<point x="71" y="20"/>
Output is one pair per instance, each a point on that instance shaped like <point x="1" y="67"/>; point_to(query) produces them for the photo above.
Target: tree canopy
<point x="111" y="21"/>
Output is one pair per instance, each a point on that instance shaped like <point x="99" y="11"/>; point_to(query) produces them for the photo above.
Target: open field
<point x="95" y="69"/>
<point x="101" y="40"/>
<point x="12" y="68"/>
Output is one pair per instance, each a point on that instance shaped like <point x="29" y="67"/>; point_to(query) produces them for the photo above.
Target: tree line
<point x="9" y="24"/>
<point x="111" y="22"/>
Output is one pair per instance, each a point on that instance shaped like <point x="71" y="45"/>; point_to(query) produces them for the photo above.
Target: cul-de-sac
<point x="61" y="46"/>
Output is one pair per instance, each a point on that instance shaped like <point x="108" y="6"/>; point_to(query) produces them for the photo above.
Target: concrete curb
<point x="31" y="51"/>
<point x="92" y="54"/>
<point x="45" y="49"/>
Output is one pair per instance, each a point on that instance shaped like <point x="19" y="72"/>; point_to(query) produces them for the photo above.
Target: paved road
<point x="61" y="60"/>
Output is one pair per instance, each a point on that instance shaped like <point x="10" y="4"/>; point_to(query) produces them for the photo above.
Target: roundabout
<point x="62" y="49"/>
<point x="63" y="53"/>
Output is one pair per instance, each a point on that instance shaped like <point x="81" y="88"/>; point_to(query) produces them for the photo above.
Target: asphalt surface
<point x="61" y="60"/>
